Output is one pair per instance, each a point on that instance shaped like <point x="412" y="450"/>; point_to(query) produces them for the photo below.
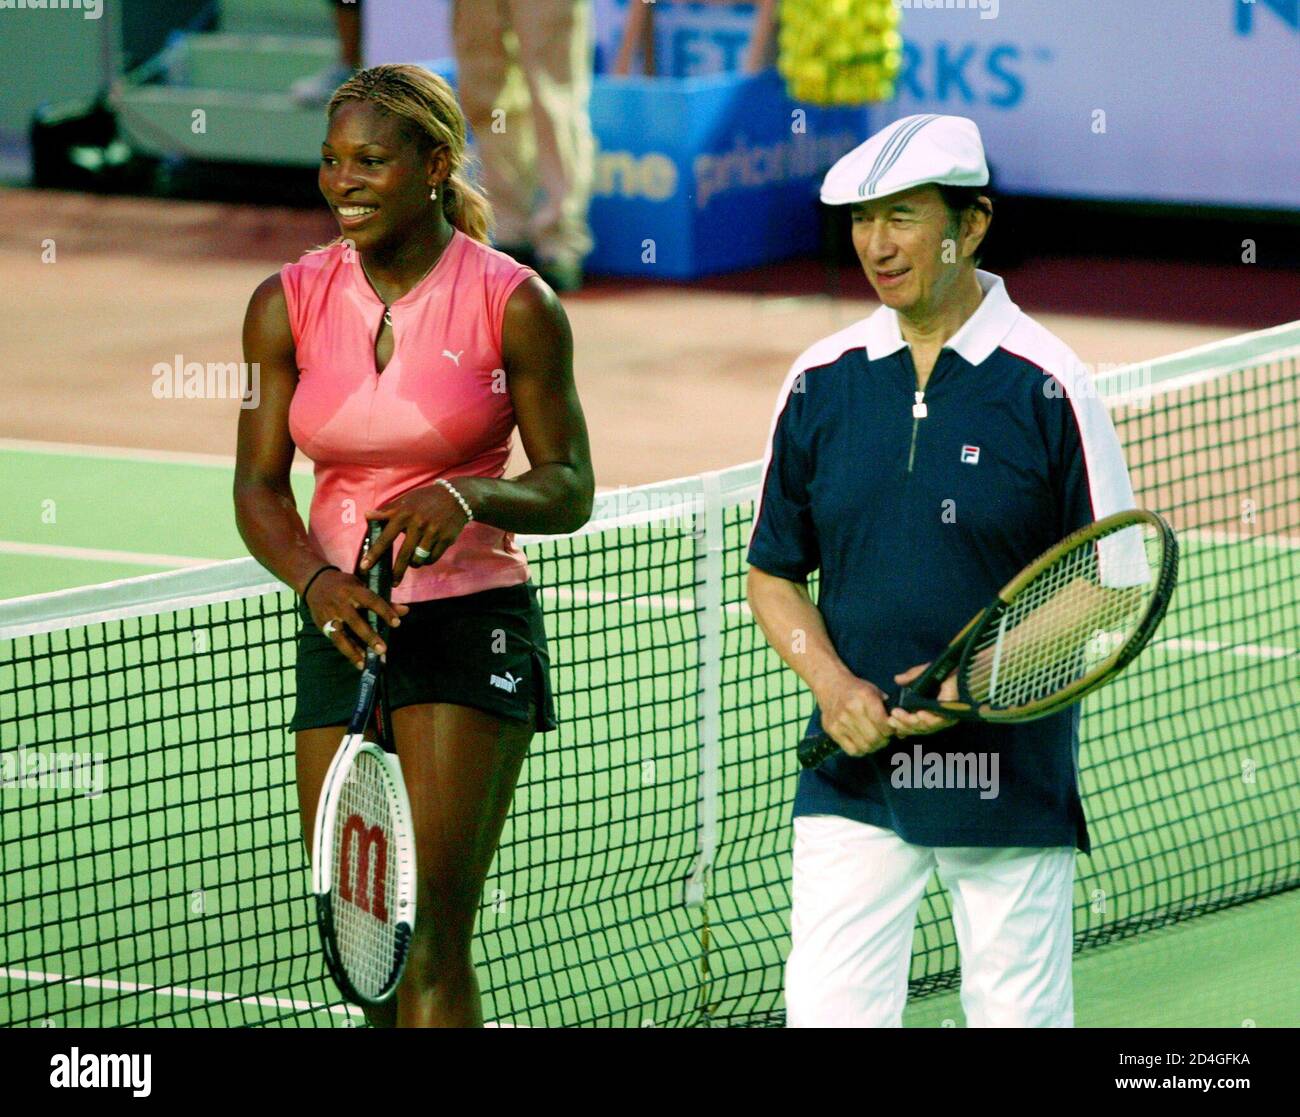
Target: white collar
<point x="978" y="337"/>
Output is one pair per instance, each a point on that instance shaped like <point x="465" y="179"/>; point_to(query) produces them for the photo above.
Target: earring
<point x="433" y="194"/>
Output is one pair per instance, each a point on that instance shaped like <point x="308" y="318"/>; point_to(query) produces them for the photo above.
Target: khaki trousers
<point x="524" y="75"/>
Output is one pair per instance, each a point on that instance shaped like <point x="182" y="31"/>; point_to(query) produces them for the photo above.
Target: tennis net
<point x="152" y="870"/>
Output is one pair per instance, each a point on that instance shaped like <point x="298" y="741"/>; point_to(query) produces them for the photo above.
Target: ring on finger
<point x="422" y="554"/>
<point x="330" y="627"/>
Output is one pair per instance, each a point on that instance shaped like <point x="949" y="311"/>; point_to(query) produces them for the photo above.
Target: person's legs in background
<point x="495" y="101"/>
<point x="524" y="82"/>
<point x="555" y="53"/>
<point x="347" y="20"/>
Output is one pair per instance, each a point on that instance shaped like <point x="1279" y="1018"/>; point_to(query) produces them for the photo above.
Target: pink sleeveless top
<point x="439" y="409"/>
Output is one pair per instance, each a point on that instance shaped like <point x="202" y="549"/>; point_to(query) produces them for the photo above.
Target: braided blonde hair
<point x="428" y="104"/>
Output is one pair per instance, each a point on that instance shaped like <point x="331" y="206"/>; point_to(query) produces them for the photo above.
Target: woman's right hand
<point x="340" y="601"/>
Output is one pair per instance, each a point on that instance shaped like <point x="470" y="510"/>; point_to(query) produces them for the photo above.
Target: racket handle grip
<point x="907" y="700"/>
<point x="375" y="575"/>
<point x="813" y="750"/>
<point x="379" y="578"/>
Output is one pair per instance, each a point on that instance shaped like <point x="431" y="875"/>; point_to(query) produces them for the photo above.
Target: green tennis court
<point x="68" y="510"/>
<point x="643" y="875"/>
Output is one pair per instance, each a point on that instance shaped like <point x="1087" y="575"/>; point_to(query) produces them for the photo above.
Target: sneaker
<point x="319" y="88"/>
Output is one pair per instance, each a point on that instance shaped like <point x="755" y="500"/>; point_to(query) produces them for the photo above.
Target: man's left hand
<point x="922" y="722"/>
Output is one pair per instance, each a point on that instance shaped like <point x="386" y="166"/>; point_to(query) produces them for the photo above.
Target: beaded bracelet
<point x="464" y="504"/>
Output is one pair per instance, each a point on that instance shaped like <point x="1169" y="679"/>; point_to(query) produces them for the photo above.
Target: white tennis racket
<point x="363" y="845"/>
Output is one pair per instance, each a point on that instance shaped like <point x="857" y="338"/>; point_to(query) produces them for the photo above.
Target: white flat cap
<point x="910" y="152"/>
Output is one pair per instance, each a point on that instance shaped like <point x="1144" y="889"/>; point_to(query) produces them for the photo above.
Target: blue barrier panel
<point x="696" y="176"/>
<point x="703" y="175"/>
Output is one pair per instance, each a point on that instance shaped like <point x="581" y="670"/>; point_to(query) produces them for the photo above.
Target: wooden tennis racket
<point x="1067" y="624"/>
<point x="363" y="847"/>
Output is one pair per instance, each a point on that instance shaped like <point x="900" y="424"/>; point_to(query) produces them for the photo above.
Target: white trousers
<point x="857" y="889"/>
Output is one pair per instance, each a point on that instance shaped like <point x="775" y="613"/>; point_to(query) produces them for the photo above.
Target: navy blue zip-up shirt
<point x="916" y="512"/>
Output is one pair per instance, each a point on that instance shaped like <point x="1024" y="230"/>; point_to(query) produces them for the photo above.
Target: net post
<point x="709" y="548"/>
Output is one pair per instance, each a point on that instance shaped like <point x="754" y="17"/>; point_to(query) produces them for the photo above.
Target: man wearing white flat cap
<point x="918" y="459"/>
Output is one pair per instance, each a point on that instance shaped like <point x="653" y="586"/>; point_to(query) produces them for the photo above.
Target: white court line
<point x="175" y="991"/>
<point x="1231" y="538"/>
<point x="1246" y="651"/>
<point x="673" y="603"/>
<point x="118" y="453"/>
<point x="180" y="992"/>
<point x="123" y="453"/>
<point x="99" y="554"/>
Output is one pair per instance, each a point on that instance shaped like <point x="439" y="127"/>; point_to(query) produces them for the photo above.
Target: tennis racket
<point x="1067" y="624"/>
<point x="363" y="847"/>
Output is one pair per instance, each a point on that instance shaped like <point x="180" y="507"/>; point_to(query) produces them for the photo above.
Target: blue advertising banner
<point x="702" y="175"/>
<point x="692" y="40"/>
<point x="1185" y="101"/>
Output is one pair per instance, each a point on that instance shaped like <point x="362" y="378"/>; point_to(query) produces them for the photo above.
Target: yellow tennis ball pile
<point x="839" y="52"/>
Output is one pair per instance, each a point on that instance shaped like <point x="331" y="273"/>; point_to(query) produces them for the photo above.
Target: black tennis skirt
<point x="485" y="650"/>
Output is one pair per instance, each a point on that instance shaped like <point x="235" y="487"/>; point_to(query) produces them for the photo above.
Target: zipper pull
<point x="919" y="410"/>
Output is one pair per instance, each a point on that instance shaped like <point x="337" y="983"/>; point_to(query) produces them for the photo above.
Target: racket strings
<point x="1069" y="622"/>
<point x="365" y="883"/>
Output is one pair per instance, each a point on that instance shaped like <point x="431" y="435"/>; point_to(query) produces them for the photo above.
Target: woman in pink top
<point x="400" y="359"/>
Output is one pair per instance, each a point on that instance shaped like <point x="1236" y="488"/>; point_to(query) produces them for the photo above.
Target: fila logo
<point x="970" y="455"/>
<point x="507" y="682"/>
<point x="453" y="356"/>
